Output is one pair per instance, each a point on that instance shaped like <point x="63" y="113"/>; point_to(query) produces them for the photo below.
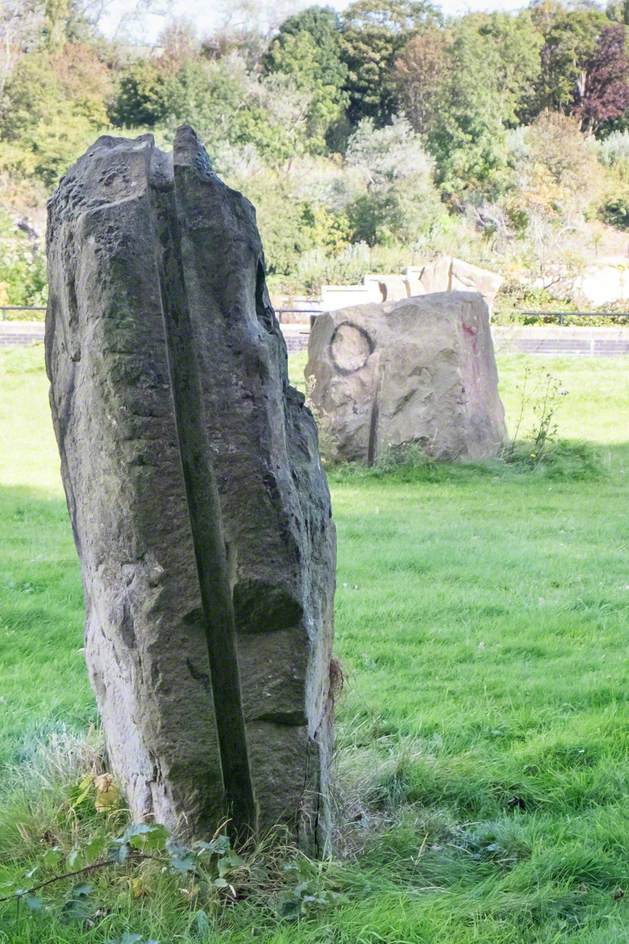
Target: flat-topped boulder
<point x="421" y="371"/>
<point x="441" y="274"/>
<point x="449" y="274"/>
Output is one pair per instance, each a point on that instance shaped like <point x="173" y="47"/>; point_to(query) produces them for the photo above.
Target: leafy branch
<point x="24" y="893"/>
<point x="140" y="842"/>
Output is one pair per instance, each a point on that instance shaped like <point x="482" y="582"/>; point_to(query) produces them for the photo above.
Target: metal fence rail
<point x="562" y="315"/>
<point x="598" y="342"/>
<point x="310" y="312"/>
<point x="559" y="316"/>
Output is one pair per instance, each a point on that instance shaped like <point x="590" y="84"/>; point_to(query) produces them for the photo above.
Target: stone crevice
<point x="205" y="517"/>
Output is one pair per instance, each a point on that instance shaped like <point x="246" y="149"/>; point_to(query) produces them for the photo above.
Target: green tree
<point x="467" y="134"/>
<point x="570" y="40"/>
<point x="42" y="128"/>
<point x="374" y="33"/>
<point x="618" y="10"/>
<point x="65" y="21"/>
<point x="140" y="98"/>
<point x="307" y="51"/>
<point x="22" y="267"/>
<point x="228" y="106"/>
<point x="507" y="49"/>
<point x="513" y="45"/>
<point x="323" y="26"/>
<point x="399" y="202"/>
<point x="285" y="224"/>
<point x="396" y="16"/>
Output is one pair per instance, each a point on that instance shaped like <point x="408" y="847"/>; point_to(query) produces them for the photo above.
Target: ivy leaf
<point x="290" y="909"/>
<point x="82" y="891"/>
<point x="78" y="909"/>
<point x="51" y="858"/>
<point x="229" y="863"/>
<point x="221" y="845"/>
<point x="95" y="847"/>
<point x="201" y="924"/>
<point x="34" y="903"/>
<point x="182" y="863"/>
<point x="180" y="857"/>
<point x="150" y="837"/>
<point x="74" y="857"/>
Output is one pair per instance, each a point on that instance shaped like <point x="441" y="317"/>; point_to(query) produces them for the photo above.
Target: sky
<point x="207" y="14"/>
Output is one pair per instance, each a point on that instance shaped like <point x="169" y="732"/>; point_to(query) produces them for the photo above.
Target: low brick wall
<point x="607" y="341"/>
<point x="20" y="332"/>
<point x="528" y="339"/>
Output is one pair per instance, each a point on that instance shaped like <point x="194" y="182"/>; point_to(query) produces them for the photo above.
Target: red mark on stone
<point x="472" y="333"/>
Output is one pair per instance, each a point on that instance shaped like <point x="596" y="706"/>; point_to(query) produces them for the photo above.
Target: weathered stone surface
<point x="417" y="371"/>
<point x="436" y="275"/>
<point x="392" y="288"/>
<point x="449" y="274"/>
<point x="465" y="277"/>
<point x="341" y="296"/>
<point x="200" y="510"/>
<point x="442" y="274"/>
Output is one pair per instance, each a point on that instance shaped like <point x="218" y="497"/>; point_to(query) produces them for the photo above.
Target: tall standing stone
<point x="200" y="510"/>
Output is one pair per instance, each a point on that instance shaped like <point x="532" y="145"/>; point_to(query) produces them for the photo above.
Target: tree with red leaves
<point x="603" y="92"/>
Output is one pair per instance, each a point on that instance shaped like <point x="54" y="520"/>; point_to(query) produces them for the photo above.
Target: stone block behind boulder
<point x="419" y="371"/>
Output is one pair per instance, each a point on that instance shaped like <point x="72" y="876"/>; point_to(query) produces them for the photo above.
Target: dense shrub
<point x="22" y="267"/>
<point x="615" y="210"/>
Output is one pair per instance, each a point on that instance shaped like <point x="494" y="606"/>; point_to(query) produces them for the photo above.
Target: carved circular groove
<point x="350" y="347"/>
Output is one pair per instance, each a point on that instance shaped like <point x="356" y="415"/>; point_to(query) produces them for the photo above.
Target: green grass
<point x="483" y="740"/>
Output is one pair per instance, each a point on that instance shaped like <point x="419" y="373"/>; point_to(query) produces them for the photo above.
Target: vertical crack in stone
<point x="205" y="516"/>
<point x="374" y="419"/>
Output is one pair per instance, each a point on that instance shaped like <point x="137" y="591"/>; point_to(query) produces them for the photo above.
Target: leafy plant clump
<point x="563" y="459"/>
<point x="213" y="865"/>
<point x="84" y="885"/>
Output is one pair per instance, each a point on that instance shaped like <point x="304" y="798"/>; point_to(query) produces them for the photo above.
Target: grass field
<point x="483" y="735"/>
